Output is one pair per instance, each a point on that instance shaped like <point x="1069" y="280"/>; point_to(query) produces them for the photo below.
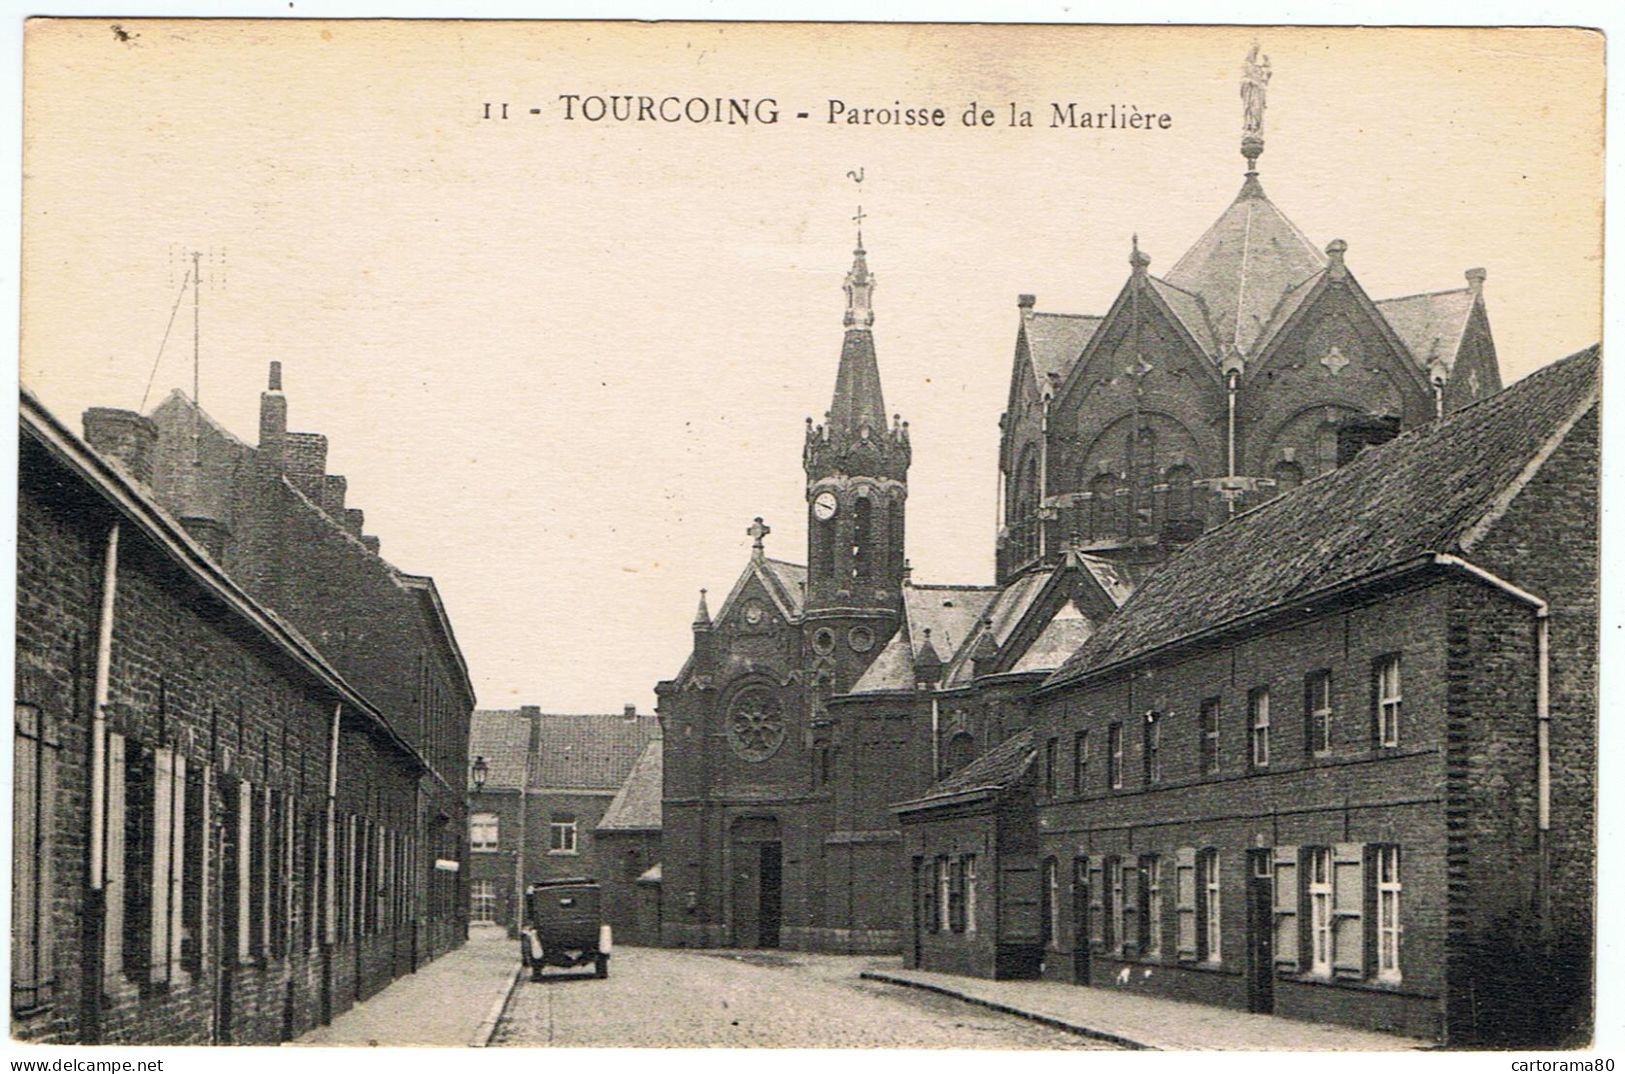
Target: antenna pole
<point x="197" y="402"/>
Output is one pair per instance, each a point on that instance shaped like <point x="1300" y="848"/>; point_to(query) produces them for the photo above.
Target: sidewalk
<point x="451" y="1002"/>
<point x="1144" y="1021"/>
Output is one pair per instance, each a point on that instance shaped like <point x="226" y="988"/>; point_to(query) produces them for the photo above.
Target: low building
<point x="1337" y="759"/>
<point x="550" y="777"/>
<point x="218" y="837"/>
<point x="629" y="852"/>
<point x="971" y="846"/>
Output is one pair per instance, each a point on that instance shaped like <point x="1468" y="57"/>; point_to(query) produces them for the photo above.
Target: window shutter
<point x="176" y="802"/>
<point x="1185" y="895"/>
<point x="1097" y="902"/>
<point x="113" y="861"/>
<point x="1286" y="895"/>
<point x="1348" y="906"/>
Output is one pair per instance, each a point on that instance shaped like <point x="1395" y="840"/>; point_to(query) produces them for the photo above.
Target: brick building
<point x="1336" y="760"/>
<point x="842" y="687"/>
<point x="551" y="778"/>
<point x="279" y="525"/>
<point x="500" y="742"/>
<point x="216" y="837"/>
<point x="628" y="844"/>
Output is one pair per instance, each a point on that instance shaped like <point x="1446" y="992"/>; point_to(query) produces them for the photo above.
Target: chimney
<point x="1334" y="252"/>
<point x="532" y="714"/>
<point x="125" y="437"/>
<point x="1025" y="304"/>
<point x="630" y="711"/>
<point x="1475" y="280"/>
<point x="273" y="416"/>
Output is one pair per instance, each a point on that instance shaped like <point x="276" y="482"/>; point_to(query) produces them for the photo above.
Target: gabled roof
<point x="1192" y="314"/>
<point x="1068" y="629"/>
<point x="1431" y="325"/>
<point x="786" y="585"/>
<point x="992" y="772"/>
<point x="636" y="806"/>
<point x="1294" y="297"/>
<point x="1243" y="264"/>
<point x="949" y="613"/>
<point x="1055" y="341"/>
<point x="594" y="751"/>
<point x="1003" y="614"/>
<point x="502" y="737"/>
<point x="1110" y="576"/>
<point x="1425" y="493"/>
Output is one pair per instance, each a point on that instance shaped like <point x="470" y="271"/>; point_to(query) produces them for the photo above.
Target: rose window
<point x="756" y="724"/>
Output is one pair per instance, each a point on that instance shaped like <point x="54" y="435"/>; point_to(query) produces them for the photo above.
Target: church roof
<point x="1243" y="264"/>
<point x="792" y="581"/>
<point x="588" y="750"/>
<point x="1056" y="340"/>
<point x="1431" y="325"/>
<point x="502" y="737"/>
<point x="1189" y="309"/>
<point x="858" y="399"/>
<point x="949" y="613"/>
<point x="1069" y="629"/>
<point x="994" y="771"/>
<point x="636" y="806"/>
<point x="1427" y="492"/>
<point x="1003" y="614"/>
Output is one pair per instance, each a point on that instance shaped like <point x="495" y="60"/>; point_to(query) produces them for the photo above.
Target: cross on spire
<point x="858" y="220"/>
<point x="757" y="531"/>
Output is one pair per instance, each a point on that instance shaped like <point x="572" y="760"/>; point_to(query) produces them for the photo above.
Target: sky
<point x="563" y="363"/>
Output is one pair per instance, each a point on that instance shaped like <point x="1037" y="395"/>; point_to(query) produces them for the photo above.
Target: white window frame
<point x="1114" y="884"/>
<point x="1153" y="748"/>
<point x="1318" y="878"/>
<point x="968" y="871"/>
<point x="477" y="823"/>
<point x="1389" y="929"/>
<point x="561" y="835"/>
<point x="944" y="892"/>
<point x="1320" y="712"/>
<point x="1258" y="712"/>
<point x="1052" y="880"/>
<point x="482" y="895"/>
<point x="1114" y="759"/>
<point x="1211" y="760"/>
<point x="1390" y="700"/>
<point x="1207" y="862"/>
<point x="1151" y="944"/>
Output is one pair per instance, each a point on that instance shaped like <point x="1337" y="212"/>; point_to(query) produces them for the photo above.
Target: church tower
<point x="857" y="487"/>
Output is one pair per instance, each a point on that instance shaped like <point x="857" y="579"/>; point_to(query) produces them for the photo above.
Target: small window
<point x="482" y="832"/>
<point x="483" y="902"/>
<point x="1153" y="747"/>
<point x="1318" y="881"/>
<point x="1209" y="743"/>
<point x="1207" y="869"/>
<point x="1258" y="715"/>
<point x="1388" y="927"/>
<point x="1080" y="762"/>
<point x="1114" y="755"/>
<point x="968" y="872"/>
<point x="562" y="834"/>
<point x="1317" y="713"/>
<point x="1388" y="700"/>
<point x="1151" y="906"/>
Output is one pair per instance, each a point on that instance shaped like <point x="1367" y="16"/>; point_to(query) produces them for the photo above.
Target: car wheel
<point x="602" y="965"/>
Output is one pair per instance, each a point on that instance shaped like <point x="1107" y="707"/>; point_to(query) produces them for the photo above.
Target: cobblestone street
<point x="667" y="998"/>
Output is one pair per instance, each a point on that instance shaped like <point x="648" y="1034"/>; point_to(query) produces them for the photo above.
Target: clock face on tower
<point x="824" y="505"/>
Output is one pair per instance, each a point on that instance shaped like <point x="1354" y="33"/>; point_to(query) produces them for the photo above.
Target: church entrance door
<point x="770" y="898"/>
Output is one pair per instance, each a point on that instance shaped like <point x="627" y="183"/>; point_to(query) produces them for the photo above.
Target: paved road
<point x="738" y="999"/>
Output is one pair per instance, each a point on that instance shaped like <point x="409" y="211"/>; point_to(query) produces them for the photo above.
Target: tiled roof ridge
<point x="1070" y="316"/>
<point x="944" y="586"/>
<point x="1421" y="294"/>
<point x="785" y="563"/>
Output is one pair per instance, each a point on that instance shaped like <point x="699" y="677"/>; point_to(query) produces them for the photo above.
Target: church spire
<point x="860" y="285"/>
<point x="858" y="402"/>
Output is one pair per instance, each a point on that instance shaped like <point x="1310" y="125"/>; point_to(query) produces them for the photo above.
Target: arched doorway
<point x="756" y="854"/>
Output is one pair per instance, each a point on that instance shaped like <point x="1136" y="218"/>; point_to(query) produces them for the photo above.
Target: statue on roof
<point x="1255" y="76"/>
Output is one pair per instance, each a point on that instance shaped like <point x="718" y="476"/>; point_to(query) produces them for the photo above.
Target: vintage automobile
<point x="563" y="927"/>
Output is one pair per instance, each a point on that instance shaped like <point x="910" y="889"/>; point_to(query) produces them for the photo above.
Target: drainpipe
<point x="936" y="747"/>
<point x="1231" y="381"/>
<point x="1543" y="716"/>
<point x="330" y="933"/>
<point x="1043" y="475"/>
<point x="96" y="904"/>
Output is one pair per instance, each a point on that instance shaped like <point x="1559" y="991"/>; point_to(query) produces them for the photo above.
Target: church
<point x="819" y="695"/>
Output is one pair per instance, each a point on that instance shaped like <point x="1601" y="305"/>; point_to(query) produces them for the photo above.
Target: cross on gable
<point x="757" y="531"/>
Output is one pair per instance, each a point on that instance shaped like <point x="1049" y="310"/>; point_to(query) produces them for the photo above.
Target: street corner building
<point x="1282" y="697"/>
<point x="547" y="801"/>
<point x="240" y="738"/>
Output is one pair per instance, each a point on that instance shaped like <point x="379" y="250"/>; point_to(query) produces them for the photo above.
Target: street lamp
<point x="479" y="770"/>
